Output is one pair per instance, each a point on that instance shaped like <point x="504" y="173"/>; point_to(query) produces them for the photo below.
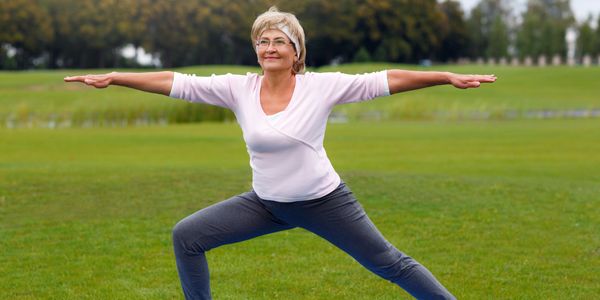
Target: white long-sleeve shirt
<point x="287" y="156"/>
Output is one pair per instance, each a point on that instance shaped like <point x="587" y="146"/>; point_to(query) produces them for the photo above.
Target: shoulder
<point x="238" y="80"/>
<point x="238" y="77"/>
<point x="321" y="78"/>
<point x="323" y="75"/>
<point x="329" y="77"/>
<point x="232" y="77"/>
<point x="251" y="76"/>
<point x="250" y="79"/>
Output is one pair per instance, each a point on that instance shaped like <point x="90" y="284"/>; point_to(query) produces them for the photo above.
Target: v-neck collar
<point x="286" y="109"/>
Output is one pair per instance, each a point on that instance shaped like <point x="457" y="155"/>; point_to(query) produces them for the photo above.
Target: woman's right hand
<point x="98" y="81"/>
<point x="153" y="82"/>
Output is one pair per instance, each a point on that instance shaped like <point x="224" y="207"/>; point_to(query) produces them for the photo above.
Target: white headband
<point x="292" y="37"/>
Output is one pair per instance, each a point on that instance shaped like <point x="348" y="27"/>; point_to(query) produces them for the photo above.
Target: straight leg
<point x="236" y="219"/>
<point x="340" y="219"/>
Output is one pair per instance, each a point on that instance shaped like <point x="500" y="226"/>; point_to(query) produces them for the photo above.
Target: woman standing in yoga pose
<point x="283" y="114"/>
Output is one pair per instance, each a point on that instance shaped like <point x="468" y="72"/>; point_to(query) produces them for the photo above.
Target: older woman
<point x="283" y="114"/>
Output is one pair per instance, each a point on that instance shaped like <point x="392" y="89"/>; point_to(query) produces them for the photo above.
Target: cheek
<point x="258" y="57"/>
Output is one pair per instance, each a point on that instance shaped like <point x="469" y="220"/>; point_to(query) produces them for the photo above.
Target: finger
<point x="491" y="78"/>
<point x="73" y="78"/>
<point x="472" y="84"/>
<point x="483" y="78"/>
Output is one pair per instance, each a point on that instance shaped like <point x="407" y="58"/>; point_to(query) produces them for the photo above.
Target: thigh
<point x="341" y="220"/>
<point x="233" y="220"/>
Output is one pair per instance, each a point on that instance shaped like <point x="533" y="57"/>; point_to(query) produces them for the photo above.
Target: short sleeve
<point x="213" y="90"/>
<point x="346" y="88"/>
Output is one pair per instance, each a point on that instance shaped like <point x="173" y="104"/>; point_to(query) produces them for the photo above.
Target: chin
<point x="274" y="68"/>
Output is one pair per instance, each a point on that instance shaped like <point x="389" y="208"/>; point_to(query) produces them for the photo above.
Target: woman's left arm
<point x="404" y="80"/>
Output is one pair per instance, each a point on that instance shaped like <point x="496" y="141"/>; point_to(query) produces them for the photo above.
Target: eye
<point x="279" y="43"/>
<point x="263" y="43"/>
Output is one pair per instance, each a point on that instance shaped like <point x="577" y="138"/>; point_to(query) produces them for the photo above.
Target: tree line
<point x="91" y="33"/>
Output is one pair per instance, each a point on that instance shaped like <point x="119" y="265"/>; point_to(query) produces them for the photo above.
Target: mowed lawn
<point x="496" y="210"/>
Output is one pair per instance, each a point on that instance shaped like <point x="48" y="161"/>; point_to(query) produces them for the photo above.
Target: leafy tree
<point x="391" y="30"/>
<point x="227" y="34"/>
<point x="498" y="44"/>
<point x="87" y="32"/>
<point x="477" y="36"/>
<point x="585" y="39"/>
<point x="135" y="23"/>
<point x="489" y="18"/>
<point x="407" y="31"/>
<point x="423" y="30"/>
<point x="545" y="23"/>
<point x="330" y="28"/>
<point x="456" y="37"/>
<point x="90" y="33"/>
<point x="26" y="27"/>
<point x="175" y="31"/>
<point x="362" y="55"/>
<point x="380" y="54"/>
<point x="597" y="38"/>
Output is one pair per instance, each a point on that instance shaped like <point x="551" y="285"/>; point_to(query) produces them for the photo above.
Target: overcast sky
<point x="581" y="8"/>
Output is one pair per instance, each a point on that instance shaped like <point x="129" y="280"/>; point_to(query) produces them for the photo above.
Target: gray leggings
<point x="336" y="217"/>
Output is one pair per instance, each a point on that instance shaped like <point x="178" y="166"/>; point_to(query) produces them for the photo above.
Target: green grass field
<point x="495" y="209"/>
<point x="506" y="208"/>
<point x="42" y="99"/>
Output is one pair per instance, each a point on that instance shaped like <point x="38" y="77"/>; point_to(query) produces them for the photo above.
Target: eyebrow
<point x="277" y="38"/>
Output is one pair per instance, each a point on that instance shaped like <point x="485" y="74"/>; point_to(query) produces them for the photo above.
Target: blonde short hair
<point x="274" y="19"/>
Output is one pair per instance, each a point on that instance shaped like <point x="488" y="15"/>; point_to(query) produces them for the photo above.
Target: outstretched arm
<point x="403" y="80"/>
<point x="153" y="82"/>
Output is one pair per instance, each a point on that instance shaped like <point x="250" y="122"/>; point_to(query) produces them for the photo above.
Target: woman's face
<point x="275" y="52"/>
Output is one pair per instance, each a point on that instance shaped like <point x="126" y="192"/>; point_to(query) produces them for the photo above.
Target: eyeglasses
<point x="277" y="43"/>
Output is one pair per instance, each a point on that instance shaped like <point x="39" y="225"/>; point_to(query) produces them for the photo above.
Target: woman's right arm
<point x="153" y="82"/>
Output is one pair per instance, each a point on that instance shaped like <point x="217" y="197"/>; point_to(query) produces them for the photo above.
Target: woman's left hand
<point x="470" y="81"/>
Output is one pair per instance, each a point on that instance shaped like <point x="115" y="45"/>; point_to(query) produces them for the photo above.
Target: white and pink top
<point x="287" y="156"/>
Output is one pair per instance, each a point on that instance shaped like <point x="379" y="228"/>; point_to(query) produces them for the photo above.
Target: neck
<point x="278" y="80"/>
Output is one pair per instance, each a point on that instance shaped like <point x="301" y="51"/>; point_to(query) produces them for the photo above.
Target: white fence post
<point x="542" y="60"/>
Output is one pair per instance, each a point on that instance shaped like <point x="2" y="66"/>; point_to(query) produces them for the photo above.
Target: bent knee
<point x="186" y="238"/>
<point x="179" y="232"/>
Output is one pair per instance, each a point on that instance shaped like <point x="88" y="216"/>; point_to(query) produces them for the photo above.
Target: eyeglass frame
<point x="282" y="42"/>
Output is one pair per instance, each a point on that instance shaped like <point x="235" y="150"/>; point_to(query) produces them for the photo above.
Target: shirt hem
<point x="335" y="184"/>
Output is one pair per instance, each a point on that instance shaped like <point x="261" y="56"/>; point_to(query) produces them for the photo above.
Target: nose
<point x="271" y="48"/>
